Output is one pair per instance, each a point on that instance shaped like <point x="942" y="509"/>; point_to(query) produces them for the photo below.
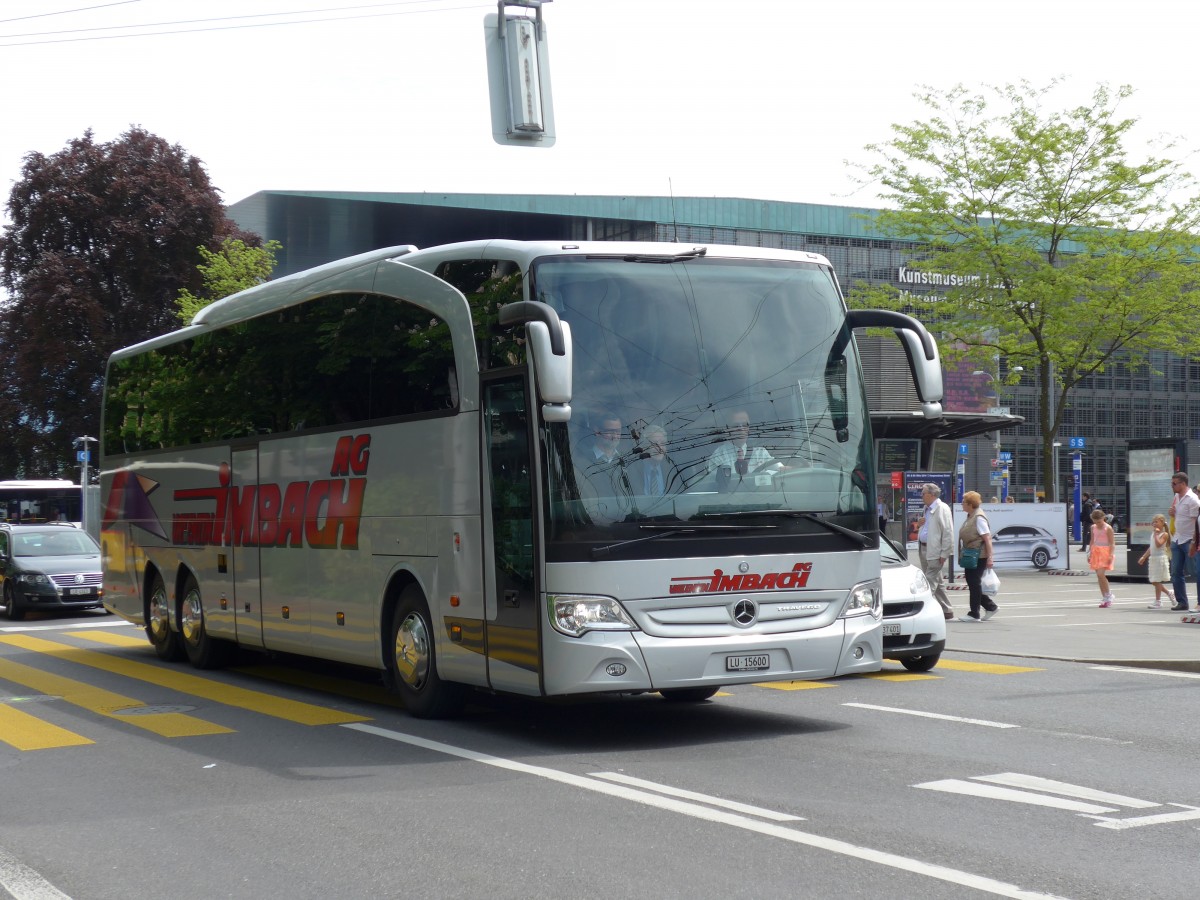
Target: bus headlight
<point x="865" y="599"/>
<point x="573" y="614"/>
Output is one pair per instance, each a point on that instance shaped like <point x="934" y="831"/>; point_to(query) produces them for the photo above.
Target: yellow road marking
<point x="284" y="675"/>
<point x="106" y="703"/>
<point x="26" y="732"/>
<point x="107" y="637"/>
<point x="344" y="687"/>
<point x="959" y="665"/>
<point x="887" y="675"/>
<point x="242" y="698"/>
<point x="793" y="685"/>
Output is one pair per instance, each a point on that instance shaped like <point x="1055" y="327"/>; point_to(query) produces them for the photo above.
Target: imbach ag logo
<point x="719" y="582"/>
<point x="324" y="514"/>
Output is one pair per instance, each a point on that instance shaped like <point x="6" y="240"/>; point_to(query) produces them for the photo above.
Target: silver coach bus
<point x="537" y="468"/>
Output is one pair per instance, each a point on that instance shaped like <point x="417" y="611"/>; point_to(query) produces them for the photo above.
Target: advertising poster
<point x="914" y="506"/>
<point x="1025" y="535"/>
<point x="1150" y="471"/>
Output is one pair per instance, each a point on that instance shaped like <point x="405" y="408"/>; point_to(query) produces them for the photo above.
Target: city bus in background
<point x="35" y="502"/>
<point x="437" y="463"/>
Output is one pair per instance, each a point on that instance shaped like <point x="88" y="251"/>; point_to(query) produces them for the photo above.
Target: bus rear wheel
<point x="412" y="661"/>
<point x="203" y="650"/>
<point x="688" y="695"/>
<point x="166" y="643"/>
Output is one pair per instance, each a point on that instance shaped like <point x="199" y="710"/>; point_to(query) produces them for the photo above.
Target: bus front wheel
<point x="166" y="642"/>
<point x="203" y="650"/>
<point x="412" y="661"/>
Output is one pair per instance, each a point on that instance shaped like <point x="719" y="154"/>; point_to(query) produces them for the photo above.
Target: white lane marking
<point x="1050" y="786"/>
<point x="71" y="625"/>
<point x="23" y="883"/>
<point x="1169" y="673"/>
<point x="932" y="715"/>
<point x="1191" y="813"/>
<point x="994" y="792"/>
<point x="942" y="873"/>
<point x="699" y="798"/>
<point x="1038" y="616"/>
<point x="1124" y="622"/>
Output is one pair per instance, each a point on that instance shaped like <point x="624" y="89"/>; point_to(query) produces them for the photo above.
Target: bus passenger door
<point x="510" y="563"/>
<point x="247" y="575"/>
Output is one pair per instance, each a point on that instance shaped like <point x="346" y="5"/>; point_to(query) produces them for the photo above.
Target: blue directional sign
<point x="83" y="456"/>
<point x="962" y="449"/>
<point x="1005" y="456"/>
<point x="1076" y="443"/>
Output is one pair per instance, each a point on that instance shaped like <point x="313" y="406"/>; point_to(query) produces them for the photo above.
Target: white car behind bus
<point x="914" y="626"/>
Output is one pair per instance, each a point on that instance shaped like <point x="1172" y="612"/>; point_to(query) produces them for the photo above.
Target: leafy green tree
<point x="1051" y="247"/>
<point x="102" y="238"/>
<point x="233" y="267"/>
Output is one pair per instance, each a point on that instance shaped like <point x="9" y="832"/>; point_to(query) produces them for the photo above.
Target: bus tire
<point x="166" y="643"/>
<point x="203" y="650"/>
<point x="412" y="661"/>
<point x="688" y="695"/>
<point x="12" y="606"/>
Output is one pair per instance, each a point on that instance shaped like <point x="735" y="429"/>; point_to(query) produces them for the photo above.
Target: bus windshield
<point x="708" y="394"/>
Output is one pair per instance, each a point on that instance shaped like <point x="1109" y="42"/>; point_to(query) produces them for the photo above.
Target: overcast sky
<point x="762" y="99"/>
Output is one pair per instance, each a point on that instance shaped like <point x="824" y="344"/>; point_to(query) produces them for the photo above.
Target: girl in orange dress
<point x="1100" y="557"/>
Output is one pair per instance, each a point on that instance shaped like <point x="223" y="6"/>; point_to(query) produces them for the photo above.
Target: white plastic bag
<point x="990" y="583"/>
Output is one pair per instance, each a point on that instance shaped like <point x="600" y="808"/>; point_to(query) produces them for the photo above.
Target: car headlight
<point x="33" y="578"/>
<point x="920" y="584"/>
<point x="574" y="615"/>
<point x="865" y="599"/>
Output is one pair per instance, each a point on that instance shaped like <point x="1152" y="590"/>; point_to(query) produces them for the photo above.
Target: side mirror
<point x="550" y="349"/>
<point x="919" y="346"/>
<point x="553" y="371"/>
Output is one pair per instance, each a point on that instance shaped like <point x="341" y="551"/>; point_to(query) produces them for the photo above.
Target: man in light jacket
<point x="936" y="543"/>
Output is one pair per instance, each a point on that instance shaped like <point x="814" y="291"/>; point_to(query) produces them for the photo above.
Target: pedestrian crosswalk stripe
<point x="343" y="687"/>
<point x="318" y="681"/>
<point x="194" y="685"/>
<point x="106" y="703"/>
<point x="108" y="637"/>
<point x="959" y="665"/>
<point x="25" y="732"/>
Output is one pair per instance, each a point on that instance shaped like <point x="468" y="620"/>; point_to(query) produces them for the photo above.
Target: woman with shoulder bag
<point x="975" y="539"/>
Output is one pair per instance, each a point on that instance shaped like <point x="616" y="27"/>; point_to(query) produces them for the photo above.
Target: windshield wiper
<point x="861" y="539"/>
<point x="694" y="253"/>
<point x="662" y="531"/>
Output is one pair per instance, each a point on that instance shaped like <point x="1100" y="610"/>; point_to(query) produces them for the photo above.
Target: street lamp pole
<point x="1054" y="493"/>
<point x="84" y="457"/>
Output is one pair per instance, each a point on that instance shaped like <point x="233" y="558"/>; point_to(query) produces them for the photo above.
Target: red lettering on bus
<point x="351" y="456"/>
<point x="324" y="514"/>
<point x="266" y="524"/>
<point x="241" y="516"/>
<point x="291" y="517"/>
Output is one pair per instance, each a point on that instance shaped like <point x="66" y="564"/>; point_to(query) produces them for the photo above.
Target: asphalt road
<point x="990" y="776"/>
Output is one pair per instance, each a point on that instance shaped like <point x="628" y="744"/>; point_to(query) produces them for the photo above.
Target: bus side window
<point x="489" y="284"/>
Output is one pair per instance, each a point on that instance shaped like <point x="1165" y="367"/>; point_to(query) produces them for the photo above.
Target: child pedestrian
<point x="1100" y="557"/>
<point x="1160" y="562"/>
